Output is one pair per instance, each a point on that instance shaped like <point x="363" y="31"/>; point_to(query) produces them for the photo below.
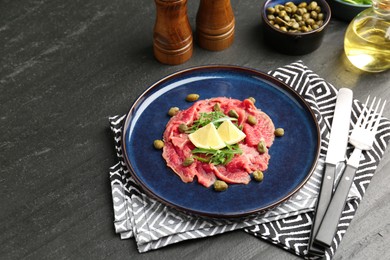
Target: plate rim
<point x="227" y="68"/>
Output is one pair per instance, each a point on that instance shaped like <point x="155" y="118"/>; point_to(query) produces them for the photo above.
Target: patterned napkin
<point x="154" y="225"/>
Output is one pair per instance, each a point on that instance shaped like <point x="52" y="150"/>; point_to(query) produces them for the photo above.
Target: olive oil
<point x="367" y="39"/>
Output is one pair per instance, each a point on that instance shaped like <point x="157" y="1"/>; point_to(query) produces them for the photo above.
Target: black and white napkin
<point x="154" y="225"/>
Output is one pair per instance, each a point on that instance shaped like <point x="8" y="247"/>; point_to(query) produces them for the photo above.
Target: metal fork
<point x="362" y="138"/>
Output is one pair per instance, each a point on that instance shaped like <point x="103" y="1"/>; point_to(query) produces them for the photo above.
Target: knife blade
<point x="337" y="147"/>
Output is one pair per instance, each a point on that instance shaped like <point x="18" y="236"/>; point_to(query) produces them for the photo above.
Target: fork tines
<point x="372" y="116"/>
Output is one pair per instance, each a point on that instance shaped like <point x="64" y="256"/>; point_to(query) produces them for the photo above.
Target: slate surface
<point x="65" y="67"/>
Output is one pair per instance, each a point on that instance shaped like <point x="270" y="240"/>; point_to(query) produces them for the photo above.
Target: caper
<point x="306" y="16"/>
<point x="279" y="7"/>
<point x="261" y="147"/>
<point x="270" y="10"/>
<point x="188" y="161"/>
<point x="283" y="28"/>
<point x="279" y="132"/>
<point x="258" y="175"/>
<point x="312" y="6"/>
<point x="183" y="128"/>
<point x="173" y="111"/>
<point x="303" y="4"/>
<point x="279" y="21"/>
<point x="251" y="120"/>
<point x="217" y="107"/>
<point x="300" y="11"/>
<point x="233" y="113"/>
<point x="288" y="9"/>
<point x="192" y="97"/>
<point x="295" y="25"/>
<point x="304" y="28"/>
<point x="282" y="13"/>
<point x="220" y="185"/>
<point x="320" y="16"/>
<point x="252" y="99"/>
<point x="297" y="17"/>
<point x="310" y="21"/>
<point x="294" y="8"/>
<point x="313" y="15"/>
<point x="158" y="144"/>
<point x="271" y="17"/>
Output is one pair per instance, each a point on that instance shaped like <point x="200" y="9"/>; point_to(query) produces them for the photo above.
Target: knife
<point x="328" y="227"/>
<point x="336" y="153"/>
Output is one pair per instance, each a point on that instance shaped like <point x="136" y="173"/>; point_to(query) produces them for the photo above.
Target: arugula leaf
<point x="358" y="2"/>
<point x="216" y="157"/>
<point x="215" y="117"/>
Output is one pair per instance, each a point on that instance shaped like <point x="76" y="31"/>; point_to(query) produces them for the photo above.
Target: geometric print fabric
<point x="154" y="225"/>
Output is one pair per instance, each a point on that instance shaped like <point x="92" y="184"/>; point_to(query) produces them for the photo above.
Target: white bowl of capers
<point x="295" y="27"/>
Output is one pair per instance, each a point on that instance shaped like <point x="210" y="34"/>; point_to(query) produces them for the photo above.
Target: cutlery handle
<point x="332" y="216"/>
<point x="322" y="204"/>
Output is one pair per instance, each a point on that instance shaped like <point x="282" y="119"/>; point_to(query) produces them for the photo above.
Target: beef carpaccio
<point x="178" y="147"/>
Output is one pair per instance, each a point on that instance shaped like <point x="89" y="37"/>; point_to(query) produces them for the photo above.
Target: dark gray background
<point x="68" y="65"/>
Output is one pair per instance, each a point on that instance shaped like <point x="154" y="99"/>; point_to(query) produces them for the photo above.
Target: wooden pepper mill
<point x="172" y="36"/>
<point x="215" y="24"/>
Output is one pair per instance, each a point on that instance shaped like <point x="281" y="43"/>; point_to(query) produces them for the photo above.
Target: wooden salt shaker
<point x="172" y="35"/>
<point x="215" y="24"/>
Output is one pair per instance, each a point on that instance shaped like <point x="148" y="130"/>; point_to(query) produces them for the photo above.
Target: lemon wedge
<point x="229" y="133"/>
<point x="207" y="137"/>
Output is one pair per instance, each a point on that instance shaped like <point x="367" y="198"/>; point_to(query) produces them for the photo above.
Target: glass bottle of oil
<point x="367" y="39"/>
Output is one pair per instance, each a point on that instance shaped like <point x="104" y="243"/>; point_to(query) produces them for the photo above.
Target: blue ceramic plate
<point x="293" y="156"/>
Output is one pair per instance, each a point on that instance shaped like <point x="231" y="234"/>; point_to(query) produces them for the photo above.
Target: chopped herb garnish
<point x="216" y="157"/>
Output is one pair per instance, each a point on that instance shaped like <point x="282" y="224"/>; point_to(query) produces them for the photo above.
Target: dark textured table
<point x="66" y="66"/>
